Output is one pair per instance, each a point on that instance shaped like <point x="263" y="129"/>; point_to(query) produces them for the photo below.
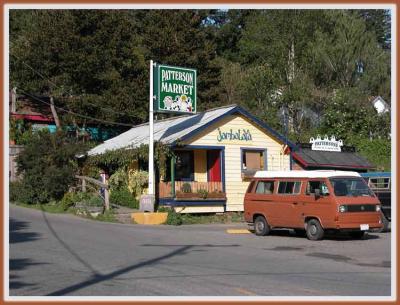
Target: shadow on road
<point x="16" y="236"/>
<point x="97" y="278"/>
<point x="182" y="249"/>
<point x="66" y="246"/>
<point x="328" y="236"/>
<point x="17" y="265"/>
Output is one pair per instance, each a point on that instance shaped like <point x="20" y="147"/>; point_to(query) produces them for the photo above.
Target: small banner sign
<point x="326" y="144"/>
<point x="175" y="89"/>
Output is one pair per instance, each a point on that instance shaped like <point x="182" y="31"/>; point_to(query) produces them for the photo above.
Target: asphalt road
<point x="53" y="255"/>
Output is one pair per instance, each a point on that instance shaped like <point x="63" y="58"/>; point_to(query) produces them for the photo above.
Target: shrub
<point x="174" y="218"/>
<point x="203" y="193"/>
<point x="17" y="192"/>
<point x="48" y="166"/>
<point x="123" y="197"/>
<point x="186" y="188"/>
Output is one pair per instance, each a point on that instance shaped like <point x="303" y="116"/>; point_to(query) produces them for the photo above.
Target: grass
<point x="57" y="208"/>
<point x="51" y="207"/>
<point x="186" y="219"/>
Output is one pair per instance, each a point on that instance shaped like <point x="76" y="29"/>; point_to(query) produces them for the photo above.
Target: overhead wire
<point x="74" y="113"/>
<point x="54" y="84"/>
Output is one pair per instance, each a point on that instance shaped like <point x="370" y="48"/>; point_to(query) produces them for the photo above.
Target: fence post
<point x="106" y="198"/>
<point x="83" y="185"/>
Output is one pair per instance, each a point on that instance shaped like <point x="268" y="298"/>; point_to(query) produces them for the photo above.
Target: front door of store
<point x="214" y="165"/>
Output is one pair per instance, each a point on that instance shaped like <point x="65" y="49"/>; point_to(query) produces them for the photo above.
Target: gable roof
<point x="172" y="130"/>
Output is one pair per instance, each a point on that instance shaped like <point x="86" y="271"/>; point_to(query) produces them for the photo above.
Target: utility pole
<point x="14" y="100"/>
<point x="54" y="112"/>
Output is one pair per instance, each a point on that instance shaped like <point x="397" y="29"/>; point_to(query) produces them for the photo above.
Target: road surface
<point x="64" y="255"/>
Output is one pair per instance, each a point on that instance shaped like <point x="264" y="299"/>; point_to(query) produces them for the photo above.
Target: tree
<point x="48" y="166"/>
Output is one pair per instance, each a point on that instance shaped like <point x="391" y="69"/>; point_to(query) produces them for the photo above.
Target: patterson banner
<point x="175" y="89"/>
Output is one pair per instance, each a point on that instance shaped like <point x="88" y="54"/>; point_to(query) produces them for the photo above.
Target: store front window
<point x="253" y="160"/>
<point x="184" y="166"/>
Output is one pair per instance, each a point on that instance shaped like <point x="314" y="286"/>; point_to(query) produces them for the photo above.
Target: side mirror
<point x="317" y="193"/>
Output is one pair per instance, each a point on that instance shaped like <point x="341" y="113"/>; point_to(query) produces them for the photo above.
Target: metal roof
<point x="171" y="130"/>
<point x="167" y="131"/>
<point x="344" y="159"/>
<point x="305" y="174"/>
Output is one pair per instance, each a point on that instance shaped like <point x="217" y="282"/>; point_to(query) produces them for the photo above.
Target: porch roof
<point x="169" y="131"/>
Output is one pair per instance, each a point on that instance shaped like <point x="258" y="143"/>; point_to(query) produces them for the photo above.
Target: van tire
<point x="385" y="223"/>
<point x="314" y="230"/>
<point x="261" y="227"/>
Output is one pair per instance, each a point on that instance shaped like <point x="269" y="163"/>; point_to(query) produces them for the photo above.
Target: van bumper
<point x="353" y="221"/>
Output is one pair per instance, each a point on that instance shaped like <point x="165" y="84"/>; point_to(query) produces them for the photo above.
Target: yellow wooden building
<point x="216" y="152"/>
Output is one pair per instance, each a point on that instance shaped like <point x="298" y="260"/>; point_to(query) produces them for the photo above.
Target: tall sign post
<point x="172" y="90"/>
<point x="151" y="136"/>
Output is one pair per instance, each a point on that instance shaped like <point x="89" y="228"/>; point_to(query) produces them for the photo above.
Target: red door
<point x="214" y="165"/>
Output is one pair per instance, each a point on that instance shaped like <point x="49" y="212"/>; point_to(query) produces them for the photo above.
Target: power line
<point x="77" y="114"/>
<point x="53" y="83"/>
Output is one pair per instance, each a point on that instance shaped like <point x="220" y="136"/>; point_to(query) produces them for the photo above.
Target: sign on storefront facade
<point x="326" y="144"/>
<point x="175" y="89"/>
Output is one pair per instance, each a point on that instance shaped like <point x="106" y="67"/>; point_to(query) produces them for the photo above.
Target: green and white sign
<point x="175" y="89"/>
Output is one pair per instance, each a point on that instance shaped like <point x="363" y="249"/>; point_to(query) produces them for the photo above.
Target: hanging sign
<point x="326" y="144"/>
<point x="175" y="89"/>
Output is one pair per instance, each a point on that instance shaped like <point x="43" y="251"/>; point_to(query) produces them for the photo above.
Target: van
<point x="311" y="203"/>
<point x="380" y="184"/>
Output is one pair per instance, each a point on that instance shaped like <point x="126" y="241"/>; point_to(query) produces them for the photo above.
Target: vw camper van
<point x="311" y="203"/>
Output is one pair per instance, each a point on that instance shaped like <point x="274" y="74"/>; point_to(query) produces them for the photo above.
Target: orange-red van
<point x="311" y="202"/>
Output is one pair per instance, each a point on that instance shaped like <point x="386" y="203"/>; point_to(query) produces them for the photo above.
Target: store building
<point x="215" y="154"/>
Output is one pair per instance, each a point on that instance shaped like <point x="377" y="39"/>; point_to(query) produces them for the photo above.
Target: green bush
<point x="48" y="166"/>
<point x="186" y="188"/>
<point x="123" y="197"/>
<point x="18" y="193"/>
<point x="174" y="218"/>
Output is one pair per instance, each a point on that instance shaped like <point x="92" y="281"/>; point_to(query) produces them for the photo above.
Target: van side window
<point x="313" y="185"/>
<point x="265" y="187"/>
<point x="289" y="187"/>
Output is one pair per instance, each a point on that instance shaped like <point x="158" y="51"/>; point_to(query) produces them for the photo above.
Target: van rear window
<point x="289" y="187"/>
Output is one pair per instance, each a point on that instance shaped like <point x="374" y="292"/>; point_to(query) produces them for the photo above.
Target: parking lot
<point x="65" y="255"/>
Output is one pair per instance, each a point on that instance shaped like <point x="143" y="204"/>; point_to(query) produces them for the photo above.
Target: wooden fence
<point x="165" y="188"/>
<point x="106" y="188"/>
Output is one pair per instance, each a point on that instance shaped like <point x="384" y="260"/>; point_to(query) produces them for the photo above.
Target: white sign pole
<point x="151" y="136"/>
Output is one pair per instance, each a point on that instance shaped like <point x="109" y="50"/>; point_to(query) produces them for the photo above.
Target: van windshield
<point x="350" y="187"/>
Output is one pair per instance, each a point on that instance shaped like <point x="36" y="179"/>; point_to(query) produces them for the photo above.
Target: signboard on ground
<point x="146" y="203"/>
<point x="175" y="89"/>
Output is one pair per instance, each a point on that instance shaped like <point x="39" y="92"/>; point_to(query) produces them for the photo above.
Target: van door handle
<point x="295" y="203"/>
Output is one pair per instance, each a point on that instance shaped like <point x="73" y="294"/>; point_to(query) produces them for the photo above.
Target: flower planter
<point x="198" y="197"/>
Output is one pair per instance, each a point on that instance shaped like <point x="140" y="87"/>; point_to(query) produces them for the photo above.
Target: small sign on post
<point x="175" y="89"/>
<point x="146" y="203"/>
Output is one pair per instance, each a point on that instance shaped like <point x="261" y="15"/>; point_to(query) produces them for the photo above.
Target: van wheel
<point x="385" y="223"/>
<point x="314" y="230"/>
<point x="261" y="226"/>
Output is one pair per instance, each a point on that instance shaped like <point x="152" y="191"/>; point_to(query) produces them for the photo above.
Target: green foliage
<point x="70" y="199"/>
<point x="137" y="182"/>
<point x="48" y="166"/>
<point x="186" y="188"/>
<point x="377" y="151"/>
<point x="173" y="218"/>
<point x="123" y="196"/>
<point x="107" y="216"/>
<point x="119" y="179"/>
<point x="203" y="193"/>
